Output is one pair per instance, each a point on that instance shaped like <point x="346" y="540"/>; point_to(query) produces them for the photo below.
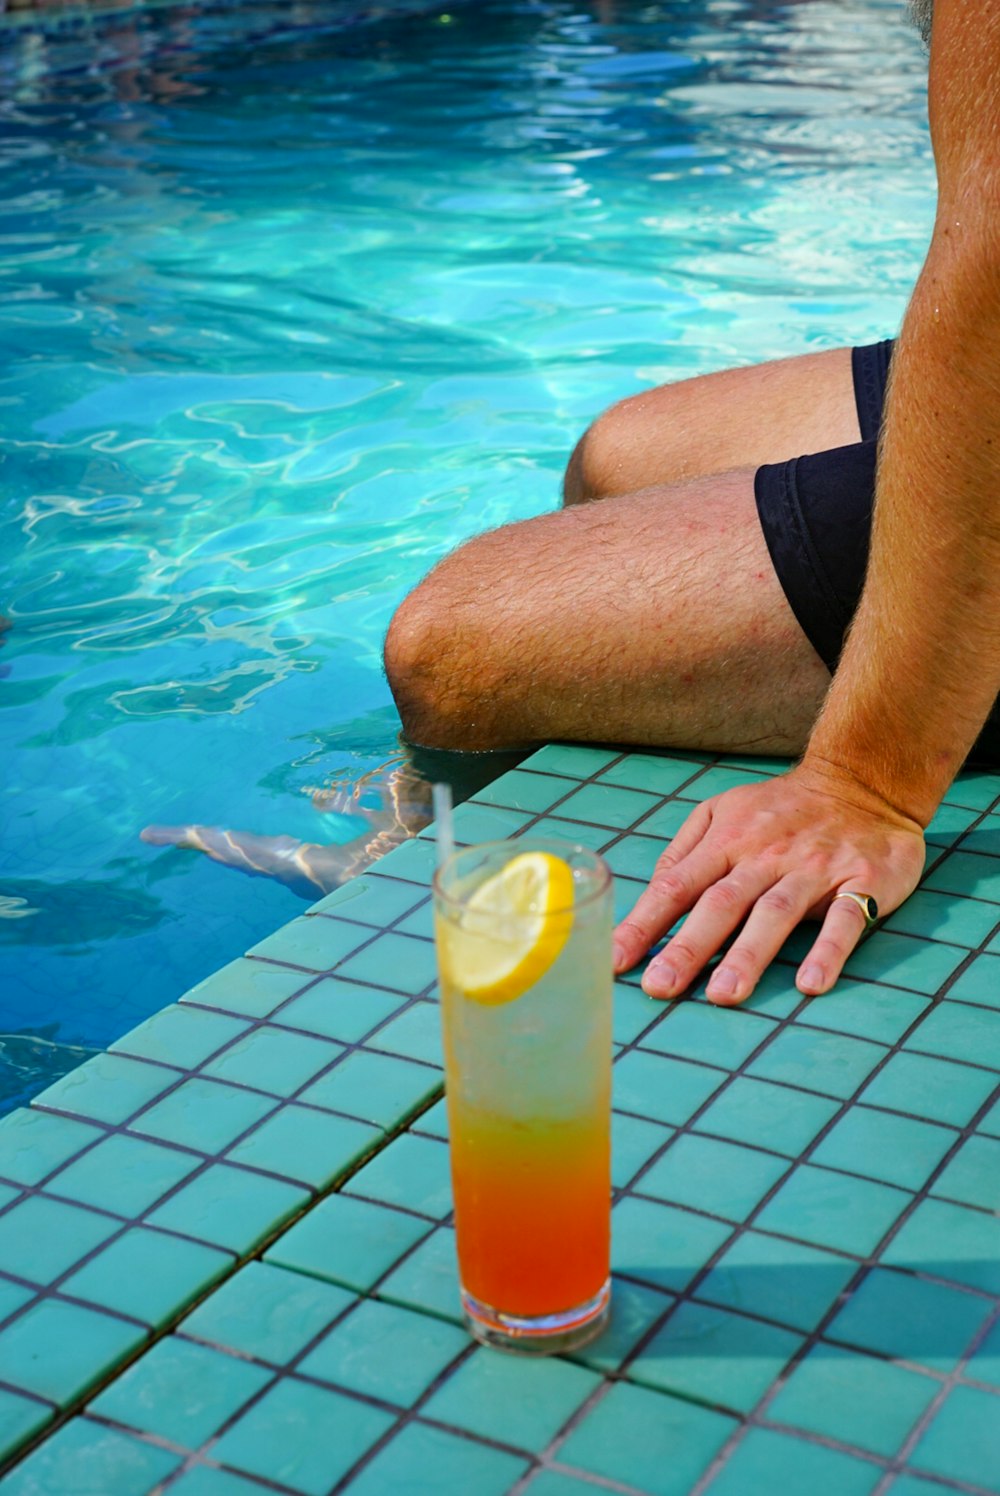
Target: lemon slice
<point x="510" y="931"/>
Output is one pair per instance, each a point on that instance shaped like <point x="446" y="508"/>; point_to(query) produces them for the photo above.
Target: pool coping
<point x="290" y="1132"/>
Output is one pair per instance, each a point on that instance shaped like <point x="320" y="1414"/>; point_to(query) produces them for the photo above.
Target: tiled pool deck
<point x="807" y="1216"/>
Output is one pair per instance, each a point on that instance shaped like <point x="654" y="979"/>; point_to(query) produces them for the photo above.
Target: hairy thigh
<point x="716" y="423"/>
<point x="654" y="618"/>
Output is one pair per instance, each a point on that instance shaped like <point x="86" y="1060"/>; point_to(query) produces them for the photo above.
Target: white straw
<point x="443" y="821"/>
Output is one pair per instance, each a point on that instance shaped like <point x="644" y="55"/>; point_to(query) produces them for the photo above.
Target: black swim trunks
<point x="816" y="514"/>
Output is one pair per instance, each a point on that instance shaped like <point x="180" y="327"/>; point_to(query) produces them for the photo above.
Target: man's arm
<point x="921" y="668"/>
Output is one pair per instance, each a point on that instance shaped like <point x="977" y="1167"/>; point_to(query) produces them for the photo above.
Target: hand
<point x="771" y="854"/>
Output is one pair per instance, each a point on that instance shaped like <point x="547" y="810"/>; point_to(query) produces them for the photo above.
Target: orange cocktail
<point x="524" y="948"/>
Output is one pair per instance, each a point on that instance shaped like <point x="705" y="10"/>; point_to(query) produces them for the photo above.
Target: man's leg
<point x="736" y="418"/>
<point x="653" y="618"/>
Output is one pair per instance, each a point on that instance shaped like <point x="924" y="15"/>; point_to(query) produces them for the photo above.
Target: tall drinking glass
<point x="523" y="932"/>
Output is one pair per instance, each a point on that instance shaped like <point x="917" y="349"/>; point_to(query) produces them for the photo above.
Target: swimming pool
<point x="295" y="297"/>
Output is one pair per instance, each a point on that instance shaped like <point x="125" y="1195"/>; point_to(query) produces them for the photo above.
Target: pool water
<point x="293" y="298"/>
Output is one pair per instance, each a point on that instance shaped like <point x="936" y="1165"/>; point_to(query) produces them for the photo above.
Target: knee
<point x="600" y="466"/>
<point x="441" y="658"/>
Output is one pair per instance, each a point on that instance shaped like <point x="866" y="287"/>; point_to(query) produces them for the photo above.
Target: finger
<point x="719" y="911"/>
<point x="671" y="892"/>
<point x="773" y="918"/>
<point x="841" y="930"/>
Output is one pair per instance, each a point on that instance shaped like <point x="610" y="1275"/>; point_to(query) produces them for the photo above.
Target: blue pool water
<point x="292" y="299"/>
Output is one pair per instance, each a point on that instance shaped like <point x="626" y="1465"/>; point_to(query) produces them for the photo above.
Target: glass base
<point x="542" y="1334"/>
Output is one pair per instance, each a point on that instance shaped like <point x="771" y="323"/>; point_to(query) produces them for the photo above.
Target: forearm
<point x="921" y="667"/>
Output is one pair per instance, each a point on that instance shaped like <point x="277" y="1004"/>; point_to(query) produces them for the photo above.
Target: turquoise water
<point x="292" y="300"/>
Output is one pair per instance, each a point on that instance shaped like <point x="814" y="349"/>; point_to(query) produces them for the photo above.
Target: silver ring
<point x="865" y="903"/>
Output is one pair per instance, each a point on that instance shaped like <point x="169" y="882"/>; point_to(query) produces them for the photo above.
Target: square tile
<point x="984" y="1366"/>
<point x="148" y="1275"/>
<point x="273" y="1060"/>
<point x="180" y="1391"/>
<point x="963" y="1441"/>
<point x="954" y="1031"/>
<point x="482" y="823"/>
<point x="340" y="1010"/>
<point x="971" y="874"/>
<point x="412" y="1172"/>
<point x="302" y="1436"/>
<point x="634" y="857"/>
<point x="976" y="788"/>
<point x="635" y="1308"/>
<point x="108" y="1088"/>
<point x="519" y="790"/>
<point x="414" y="860"/>
<point x="881" y="1145"/>
<point x="665" y="823"/>
<point x="647" y="1439"/>
<point x="486" y="1396"/>
<point x="633" y="1012"/>
<point x="780" y="1280"/>
<point x="833" y="1210"/>
<point x="649" y="771"/>
<point x="770" y="1116"/>
<point x="716" y="780"/>
<point x="608" y="805"/>
<point x="206" y="1115"/>
<point x="312" y="942"/>
<point x="13" y="1296"/>
<point x="58" y="1350"/>
<point x="453" y="1466"/>
<point x="384" y="1351"/>
<point x="972" y="1177"/>
<point x="950" y="823"/>
<point x="832" y="1064"/>
<point x="416" y="1033"/>
<point x="980" y="982"/>
<point x="434" y="1121"/>
<point x="428" y="1278"/>
<point x="268" y="1313"/>
<point x="576" y="759"/>
<point x="123" y="1174"/>
<point x="910" y="1319"/>
<point x="229" y="1207"/>
<point x="406" y="965"/>
<point x="766" y="1462"/>
<point x="40" y="1238"/>
<point x="369" y="901"/>
<point x="950" y="1242"/>
<point x="178" y="1035"/>
<point x="712" y="1356"/>
<point x="931" y="1088"/>
<point x="33" y="1143"/>
<point x="661" y="1245"/>
<point x="855" y="1399"/>
<point x="990" y="1124"/>
<point x="633" y="1143"/>
<point x="20" y="1419"/>
<point x="666" y="1090"/>
<point x="695" y="1030"/>
<point x="347" y="1241"/>
<point x="577" y="833"/>
<point x="381" y="1089"/>
<point x="306" y="1146"/>
<point x="252" y="989"/>
<point x="940" y="916"/>
<point x="115" y="1464"/>
<point x="723" y="1179"/>
<point x="866" y="1010"/>
<point x="205" y="1480"/>
<point x="903" y="961"/>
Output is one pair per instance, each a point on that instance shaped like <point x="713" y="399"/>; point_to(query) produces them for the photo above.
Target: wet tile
<point x="766" y="1461"/>
<point x="180" y="1391"/>
<point x="709" y="1355"/>
<point x="406" y="965"/>
<point x="647" y="1439"/>
<point x="112" y="1464"/>
<point x="204" y="1114"/>
<point x="369" y="901"/>
<point x="633" y="1012"/>
<point x="666" y="1090"/>
<point x="380" y="1089"/>
<point x="302" y="1436"/>
<point x="313" y="943"/>
<point x="33" y="1143"/>
<point x="607" y="805"/>
<point x="771" y="1116"/>
<point x="414" y="860"/>
<point x="273" y="1060"/>
<point x="460" y="1467"/>
<point x="415" y="1033"/>
<point x="123" y="1174"/>
<point x="340" y="1010"/>
<point x="428" y="1278"/>
<point x="577" y="760"/>
<point x="831" y="1064"/>
<point x="665" y="823"/>
<point x="347" y="1241"/>
<point x="252" y="989"/>
<point x="179" y="1035"/>
<point x="699" y="1031"/>
<point x="483" y="823"/>
<point x="306" y="1146"/>
<point x="880" y="1145"/>
<point x="635" y="1308"/>
<point x="634" y="857"/>
<point x="108" y="1088"/>
<point x="963" y="1441"/>
<point x="40" y="1239"/>
<point x="58" y="1350"/>
<point x="148" y="1275"/>
<point x="780" y="1280"/>
<point x="229" y="1207"/>
<point x="532" y="792"/>
<point x="855" y="1399"/>
<point x="910" y="1319"/>
<point x="633" y="1142"/>
<point x="648" y="771"/>
<point x="723" y="1179"/>
<point x="833" y="1210"/>
<point x="486" y="1397"/>
<point x="576" y="833"/>
<point x="384" y="1351"/>
<point x="268" y="1313"/>
<point x="661" y="1245"/>
<point x="414" y="1173"/>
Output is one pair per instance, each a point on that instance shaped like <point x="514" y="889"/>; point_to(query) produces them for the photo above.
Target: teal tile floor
<point x="227" y="1264"/>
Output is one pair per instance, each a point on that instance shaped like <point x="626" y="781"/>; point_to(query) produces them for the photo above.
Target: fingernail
<point x="618" y="956"/>
<point x="812" y="976"/>
<point x="725" y="983"/>
<point x="662" y="977"/>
